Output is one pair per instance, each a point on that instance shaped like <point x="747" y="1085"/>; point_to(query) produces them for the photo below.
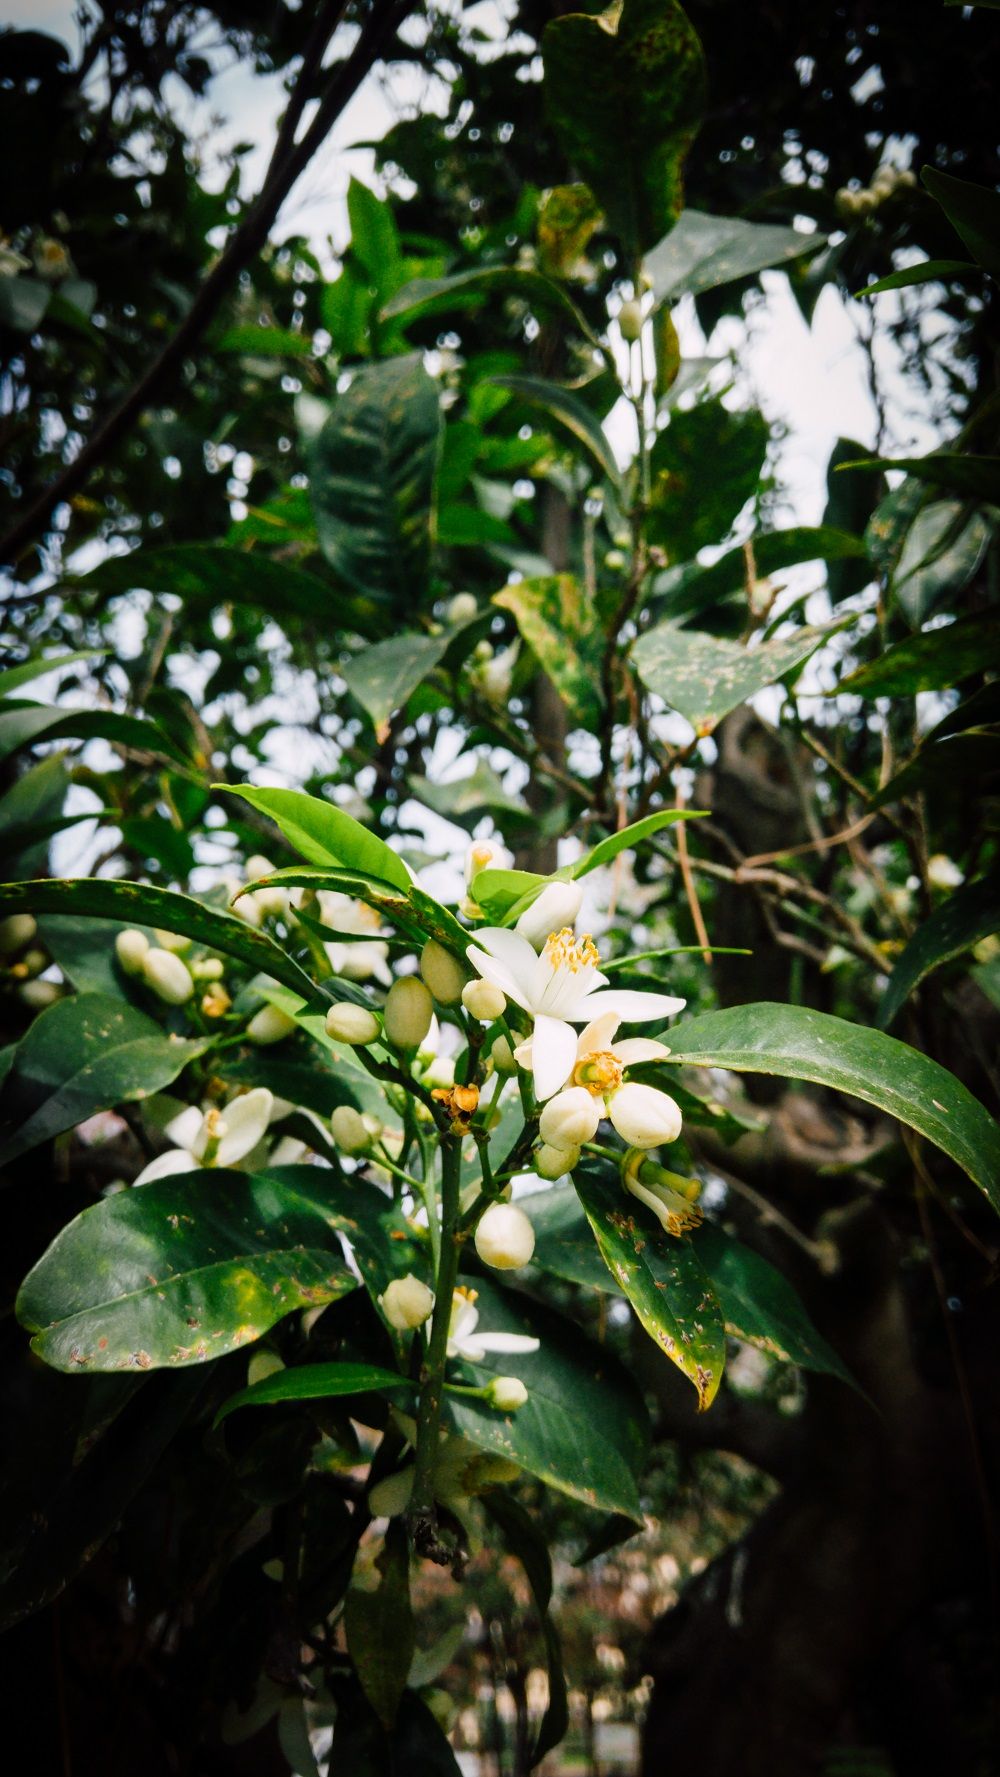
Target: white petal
<point x="553" y="1055"/>
<point x="492" y="970"/>
<point x="598" y="1035"/>
<point x="557" y="906"/>
<point x="504" y="1342"/>
<point x="635" y="1049"/>
<point x="633" y="1007"/>
<point x="177" y="1160"/>
<point x="246" y="1120"/>
<point x="510" y="949"/>
<point x="185" y="1128"/>
<point x="288" y="1152"/>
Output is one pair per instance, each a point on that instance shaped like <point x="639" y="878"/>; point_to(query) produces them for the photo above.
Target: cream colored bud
<point x="131" y="948"/>
<point x="505" y="1238"/>
<point x="644" y="1117"/>
<point x="32" y="963"/>
<point x="174" y="941"/>
<point x="258" y="865"/>
<point x="350" y="1130"/>
<point x="570" y="1118"/>
<point x="444" y="974"/>
<point x="614" y="561"/>
<point x="463" y="607"/>
<point x="272" y="900"/>
<point x="269" y="1025"/>
<point x="555" y="908"/>
<point x="208" y="968"/>
<point x="407" y="1303"/>
<point x="502" y="1056"/>
<point x="483" y="1001"/>
<point x="347" y="1023"/>
<point x="507" y="1392"/>
<point x="485" y="854"/>
<point x="408" y="1013"/>
<point x="630" y="320"/>
<point x="248" y="909"/>
<point x="37" y="995"/>
<point x="169" y="978"/>
<point x="943" y="872"/>
<point x="553" y="1163"/>
<point x="16" y="931"/>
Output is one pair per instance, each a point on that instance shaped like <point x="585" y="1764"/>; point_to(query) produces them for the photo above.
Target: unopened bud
<point x="463" y="607"/>
<point x="349" y="1130"/>
<point x="485" y="854"/>
<point x="506" y="1392"/>
<point x="483" y="1001"/>
<point x="269" y="1025"/>
<point x="644" y="1117"/>
<point x="131" y="948"/>
<point x="553" y="1163"/>
<point x="408" y="1013"/>
<point x="443" y="973"/>
<point x="630" y="320"/>
<point x="16" y="931"/>
<point x="570" y="1118"/>
<point x="406" y="1303"/>
<point x="502" y="1056"/>
<point x="354" y="1025"/>
<point x="555" y="908"/>
<point x="174" y="941"/>
<point x="169" y="978"/>
<point x="38" y="995"/>
<point x="32" y="963"/>
<point x="505" y="1239"/>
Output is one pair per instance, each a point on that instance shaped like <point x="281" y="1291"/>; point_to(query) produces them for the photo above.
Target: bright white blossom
<point x="557" y="906"/>
<point x="943" y="872"/>
<point x="505" y="1238"/>
<point x="214" y="1137"/>
<point x="463" y="1339"/>
<point x="561" y="987"/>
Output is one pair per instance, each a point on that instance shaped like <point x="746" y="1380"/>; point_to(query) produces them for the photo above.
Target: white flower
<point x="215" y="1138"/>
<point x="505" y="1238"/>
<point x="406" y="1303"/>
<point x="943" y="872"/>
<point x="560" y="988"/>
<point x="464" y="1341"/>
<point x="557" y="906"/>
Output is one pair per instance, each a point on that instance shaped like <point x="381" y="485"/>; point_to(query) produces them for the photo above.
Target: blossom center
<point x="601" y="1072"/>
<point x="563" y="950"/>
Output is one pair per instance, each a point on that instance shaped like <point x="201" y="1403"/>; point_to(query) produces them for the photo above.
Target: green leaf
<point x="571" y="415"/>
<point x="974" y="213"/>
<point x="705" y="467"/>
<point x="972" y="912"/>
<point x="470" y="289"/>
<point x="943" y="548"/>
<point x="17" y="676"/>
<point x="690" y="587"/>
<point x="462" y="798"/>
<point x="564" y="1240"/>
<point x="760" y="1305"/>
<point x="850" y="502"/>
<point x="704" y="676"/>
<point x="583" y="1429"/>
<point x="25" y="724"/>
<point x="179" y="1271"/>
<point x="560" y="625"/>
<point x="567" y="217"/>
<point x="929" y="271"/>
<point x="251" y="340"/>
<point x="628" y="838"/>
<point x="372" y="476"/>
<point x="384" y="676"/>
<point x="381" y="1241"/>
<point x="81" y="1055"/>
<point x="374" y="238"/>
<point x="702" y="252"/>
<point x="969" y="478"/>
<point x="526" y="1541"/>
<point x="981" y="710"/>
<point x="314" y="1382"/>
<point x="934" y="660"/>
<point x="662" y="1278"/>
<point x="625" y="92"/>
<point x="206" y="575"/>
<point x="798" y="1044"/>
<point x="945" y="770"/>
<point x="324" y="834"/>
<point x="380" y="1628"/>
<point x="134" y="903"/>
<point x="497" y="891"/>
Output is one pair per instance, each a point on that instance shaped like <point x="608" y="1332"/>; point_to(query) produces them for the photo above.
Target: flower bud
<point x="463" y="607"/>
<point x="408" y="1013"/>
<point x="557" y="906"/>
<point x="644" y="1117"/>
<point x="174" y="941"/>
<point x="506" y="1392"/>
<point x="16" y="931"/>
<point x="484" y="1001"/>
<point x="943" y="872"/>
<point x="258" y="865"/>
<point x="502" y="1056"/>
<point x="169" y="978"/>
<point x="570" y="1118"/>
<point x="131" y="948"/>
<point x="269" y="1025"/>
<point x="485" y="854"/>
<point x="505" y="1238"/>
<point x="32" y="963"/>
<point x="553" y="1163"/>
<point x="208" y="968"/>
<point x="37" y="995"/>
<point x="347" y="1023"/>
<point x="630" y="320"/>
<point x="443" y="973"/>
<point x="406" y="1303"/>
<point x="349" y="1130"/>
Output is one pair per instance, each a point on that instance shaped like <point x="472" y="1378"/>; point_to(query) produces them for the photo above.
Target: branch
<point x="288" y="162"/>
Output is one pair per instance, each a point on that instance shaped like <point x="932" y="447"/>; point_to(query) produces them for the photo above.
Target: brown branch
<point x="288" y="162"/>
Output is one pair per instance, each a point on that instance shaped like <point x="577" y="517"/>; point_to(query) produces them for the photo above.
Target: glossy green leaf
<point x="929" y="271"/>
<point x="17" y="676"/>
<point x="799" y="1044"/>
<point x="383" y="1244"/>
<point x="324" y="834"/>
<point x="28" y="809"/>
<point x="760" y="1305"/>
<point x="206" y="575"/>
<point x="180" y="1271"/>
<point x="314" y="1382"/>
<point x="690" y="587"/>
<point x="134" y="903"/>
<point x="968" y="478"/>
<point x="628" y="838"/>
<point x="850" y="502"/>
<point x="384" y="676"/>
<point x="462" y="798"/>
<point x="970" y="913"/>
<point x="973" y="211"/>
<point x="662" y="1278"/>
<point x="583" y="1429"/>
<point x="704" y="676"/>
<point x="526" y="1541"/>
<point x="705" y="466"/>
<point x="441" y="296"/>
<point x="981" y="710"/>
<point x="380" y="1628"/>
<point x="564" y="1240"/>
<point x="942" y="550"/>
<point x="560" y="625"/>
<point x="374" y="238"/>
<point x="625" y="92"/>
<point x="372" y="475"/>
<point x="571" y="415"/>
<point x="25" y="724"/>
<point x="84" y="1054"/>
<point x="702" y="252"/>
<point x="934" y="660"/>
<point x="497" y="891"/>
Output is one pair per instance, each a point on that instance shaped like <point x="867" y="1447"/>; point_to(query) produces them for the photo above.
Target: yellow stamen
<point x="565" y="951"/>
<point x="600" y="1072"/>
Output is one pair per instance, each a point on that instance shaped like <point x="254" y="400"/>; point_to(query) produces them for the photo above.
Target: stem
<point x="432" y="1374"/>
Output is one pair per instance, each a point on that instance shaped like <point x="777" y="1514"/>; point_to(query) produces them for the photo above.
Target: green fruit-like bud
<point x="483" y="1001"/>
<point x="630" y="320"/>
<point x="16" y="931"/>
<point x="269" y="1025"/>
<point x="443" y="973"/>
<point x="408" y="1013"/>
<point x="349" y="1130"/>
<point x="354" y="1025"/>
